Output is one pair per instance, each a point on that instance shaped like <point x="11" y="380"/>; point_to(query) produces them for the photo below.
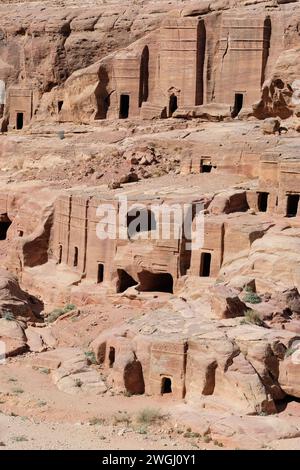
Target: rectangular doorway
<point x="262" y="202"/>
<point x="20" y="121"/>
<point x="205" y="264"/>
<point x="238" y="104"/>
<point x="100" y="276"/>
<point x="124" y="106"/>
<point x="292" y="205"/>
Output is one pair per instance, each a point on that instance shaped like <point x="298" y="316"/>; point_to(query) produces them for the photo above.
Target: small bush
<point x="252" y="298"/>
<point x="19" y="439"/>
<point x="96" y="421"/>
<point x="190" y="434"/>
<point x="251" y="316"/>
<point x="142" y="430"/>
<point x="8" y="315"/>
<point x="217" y="443"/>
<point x="18" y="391"/>
<point x="121" y="417"/>
<point x="45" y="370"/>
<point x="41" y="403"/>
<point x="290" y="351"/>
<point x="78" y="383"/>
<point x="248" y="289"/>
<point x="58" y="312"/>
<point x="90" y="355"/>
<point x="149" y="416"/>
<point x="69" y="307"/>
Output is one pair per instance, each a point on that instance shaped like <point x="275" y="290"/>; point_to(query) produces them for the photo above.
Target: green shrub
<point x="90" y="355"/>
<point x="251" y="316"/>
<point x="290" y="351"/>
<point x="78" y="383"/>
<point x="96" y="421"/>
<point x="149" y="416"/>
<point x="252" y="298"/>
<point x="19" y="439"/>
<point x="248" y="289"/>
<point x="58" y="312"/>
<point x="142" y="430"/>
<point x="7" y="315"/>
<point x="190" y="434"/>
<point x="121" y="417"/>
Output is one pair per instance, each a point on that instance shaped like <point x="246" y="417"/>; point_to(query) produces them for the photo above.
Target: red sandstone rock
<point x="225" y="302"/>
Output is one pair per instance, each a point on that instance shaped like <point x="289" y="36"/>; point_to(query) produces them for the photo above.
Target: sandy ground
<point x="34" y="414"/>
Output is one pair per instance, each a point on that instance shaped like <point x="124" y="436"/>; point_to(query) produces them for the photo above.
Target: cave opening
<point x="124" y="281"/>
<point x="155" y="282"/>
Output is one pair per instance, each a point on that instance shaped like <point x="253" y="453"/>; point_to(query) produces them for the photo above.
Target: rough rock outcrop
<point x="13" y="300"/>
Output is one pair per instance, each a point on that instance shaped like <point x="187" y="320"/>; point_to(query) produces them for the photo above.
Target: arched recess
<point x="201" y="46"/>
<point x="266" y="47"/>
<point x="174" y="100"/>
<point x="144" y="76"/>
<point x="155" y="282"/>
<point x="102" y="94"/>
<point x="133" y="378"/>
<point x="2" y="97"/>
<point x="5" y="223"/>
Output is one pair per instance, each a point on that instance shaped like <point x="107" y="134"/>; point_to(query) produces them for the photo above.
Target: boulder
<point x="11" y="329"/>
<point x="13" y="299"/>
<point x="289" y="373"/>
<point x="225" y="302"/>
<point x="270" y="126"/>
<point x="13" y="347"/>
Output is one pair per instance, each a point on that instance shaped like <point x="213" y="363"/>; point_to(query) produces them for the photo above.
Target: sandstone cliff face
<point x="30" y="216"/>
<point x="94" y="92"/>
<point x="44" y="43"/>
<point x="272" y="260"/>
